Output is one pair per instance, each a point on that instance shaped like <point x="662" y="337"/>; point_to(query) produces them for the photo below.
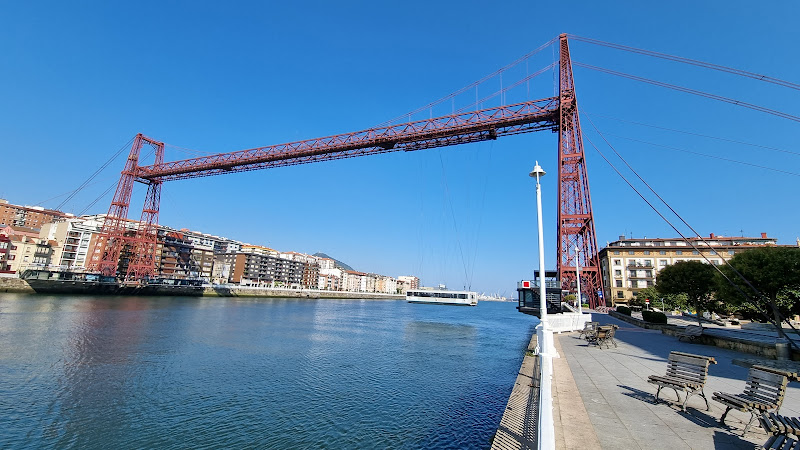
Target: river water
<point x="136" y="372"/>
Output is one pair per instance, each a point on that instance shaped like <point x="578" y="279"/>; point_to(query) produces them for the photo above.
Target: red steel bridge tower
<point x="560" y="114"/>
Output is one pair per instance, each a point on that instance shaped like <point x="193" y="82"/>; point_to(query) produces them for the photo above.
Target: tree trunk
<point x="777" y="315"/>
<point x="699" y="317"/>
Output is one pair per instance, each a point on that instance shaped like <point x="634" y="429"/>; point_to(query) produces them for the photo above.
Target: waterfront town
<point x="32" y="237"/>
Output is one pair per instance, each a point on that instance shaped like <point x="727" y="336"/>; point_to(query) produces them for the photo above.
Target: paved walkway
<point x="612" y="385"/>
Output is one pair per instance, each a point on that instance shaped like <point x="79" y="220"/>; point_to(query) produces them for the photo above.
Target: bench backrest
<point x="689" y="367"/>
<point x="767" y="387"/>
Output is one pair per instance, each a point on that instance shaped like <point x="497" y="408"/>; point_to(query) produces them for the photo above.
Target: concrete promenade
<point x="603" y="399"/>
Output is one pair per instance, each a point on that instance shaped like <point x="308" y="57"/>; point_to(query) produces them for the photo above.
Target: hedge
<point x="654" y="317"/>
<point x="624" y="310"/>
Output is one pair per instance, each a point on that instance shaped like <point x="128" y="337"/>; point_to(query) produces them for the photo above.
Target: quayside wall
<point x="17" y="285"/>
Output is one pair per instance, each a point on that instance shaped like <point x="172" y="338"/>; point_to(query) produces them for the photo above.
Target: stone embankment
<point x="17" y="285"/>
<point x="14" y="284"/>
<point x="246" y="291"/>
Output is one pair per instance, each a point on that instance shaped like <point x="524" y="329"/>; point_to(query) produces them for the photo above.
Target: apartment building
<point x="386" y="285"/>
<point x="216" y="243"/>
<point x="406" y="282"/>
<point x="261" y="266"/>
<point x="28" y="216"/>
<point x="28" y="252"/>
<point x="75" y="237"/>
<point x="5" y="248"/>
<point x="631" y="264"/>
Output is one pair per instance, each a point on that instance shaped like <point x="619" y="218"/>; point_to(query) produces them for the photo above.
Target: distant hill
<point x="336" y="262"/>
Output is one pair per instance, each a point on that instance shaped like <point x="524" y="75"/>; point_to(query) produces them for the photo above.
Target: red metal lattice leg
<point x="575" y="218"/>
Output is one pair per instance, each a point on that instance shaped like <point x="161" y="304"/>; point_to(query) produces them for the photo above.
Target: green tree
<point x="774" y="272"/>
<point x="693" y="278"/>
<point x="670" y="301"/>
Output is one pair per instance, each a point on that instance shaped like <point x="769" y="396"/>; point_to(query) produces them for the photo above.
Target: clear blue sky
<point x="79" y="79"/>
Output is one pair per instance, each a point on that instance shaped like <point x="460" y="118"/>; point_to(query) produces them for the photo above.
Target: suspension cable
<point x="471" y="86"/>
<point x="690" y="91"/>
<point x="693" y="62"/>
<point x="796" y="174"/>
<point x="733" y="141"/>
<point x="758" y="294"/>
<point x="92" y="176"/>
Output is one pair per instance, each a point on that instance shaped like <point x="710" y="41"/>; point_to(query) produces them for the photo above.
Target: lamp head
<point x="537" y="171"/>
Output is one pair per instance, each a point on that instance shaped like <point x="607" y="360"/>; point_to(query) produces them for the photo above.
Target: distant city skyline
<point x="80" y="81"/>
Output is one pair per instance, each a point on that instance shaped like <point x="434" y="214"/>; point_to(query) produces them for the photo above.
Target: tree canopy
<point x="772" y="271"/>
<point x="693" y="278"/>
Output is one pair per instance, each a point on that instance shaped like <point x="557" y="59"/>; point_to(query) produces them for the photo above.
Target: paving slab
<point x="612" y="386"/>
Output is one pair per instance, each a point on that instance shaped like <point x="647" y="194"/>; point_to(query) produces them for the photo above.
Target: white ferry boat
<point x="442" y="297"/>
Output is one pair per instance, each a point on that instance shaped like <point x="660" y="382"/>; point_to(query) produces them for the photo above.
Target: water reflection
<point x="128" y="372"/>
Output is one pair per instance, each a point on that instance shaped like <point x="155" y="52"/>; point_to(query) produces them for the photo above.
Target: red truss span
<point x="442" y="131"/>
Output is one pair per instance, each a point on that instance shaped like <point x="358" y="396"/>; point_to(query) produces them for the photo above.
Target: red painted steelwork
<point x="436" y="132"/>
<point x="575" y="217"/>
<point x="116" y="232"/>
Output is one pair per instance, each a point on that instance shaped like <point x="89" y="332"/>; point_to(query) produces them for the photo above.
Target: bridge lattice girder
<point x="575" y="218"/>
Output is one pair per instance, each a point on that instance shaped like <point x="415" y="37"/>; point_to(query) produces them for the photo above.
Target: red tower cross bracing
<point x="575" y="220"/>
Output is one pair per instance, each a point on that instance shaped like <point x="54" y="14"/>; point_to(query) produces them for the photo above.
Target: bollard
<point x="782" y="351"/>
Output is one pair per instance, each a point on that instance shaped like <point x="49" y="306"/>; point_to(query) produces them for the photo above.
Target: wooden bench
<point x="685" y="372"/>
<point x="781" y="442"/>
<point x="777" y="424"/>
<point x="589" y="329"/>
<point x="780" y="427"/>
<point x="691" y="332"/>
<point x="604" y="335"/>
<point x="763" y="392"/>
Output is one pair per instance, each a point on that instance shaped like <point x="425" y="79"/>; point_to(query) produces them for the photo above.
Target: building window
<point x="730" y="252"/>
<point x="678" y="252"/>
<point x="617" y="262"/>
<point x="649" y="283"/>
<point x="648" y="262"/>
<point x="617" y="273"/>
<point x="648" y="273"/>
<point x="647" y="252"/>
<point x="713" y="252"/>
<point x="662" y="252"/>
<point x="620" y="294"/>
<point x="616" y="252"/>
<point x="619" y="283"/>
<point x="662" y="262"/>
<point x="630" y="252"/>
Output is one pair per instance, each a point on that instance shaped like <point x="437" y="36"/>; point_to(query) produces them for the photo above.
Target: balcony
<point x="648" y="265"/>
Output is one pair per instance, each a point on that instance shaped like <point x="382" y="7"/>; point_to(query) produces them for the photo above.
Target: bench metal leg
<point x="683" y="405"/>
<point x="752" y="418"/>
<point x="657" y="392"/>
<point x="722" y="419"/>
<point x="703" y="394"/>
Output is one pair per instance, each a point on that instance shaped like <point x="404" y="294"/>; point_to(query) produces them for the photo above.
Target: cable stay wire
<point x="92" y="176"/>
<point x="796" y="174"/>
<point x="694" y="62"/>
<point x="689" y="91"/>
<point x="480" y="215"/>
<point x="189" y="151"/>
<point x="759" y="296"/>
<point x="471" y="86"/>
<point x="501" y="92"/>
<point x="455" y="222"/>
<point x="733" y="141"/>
